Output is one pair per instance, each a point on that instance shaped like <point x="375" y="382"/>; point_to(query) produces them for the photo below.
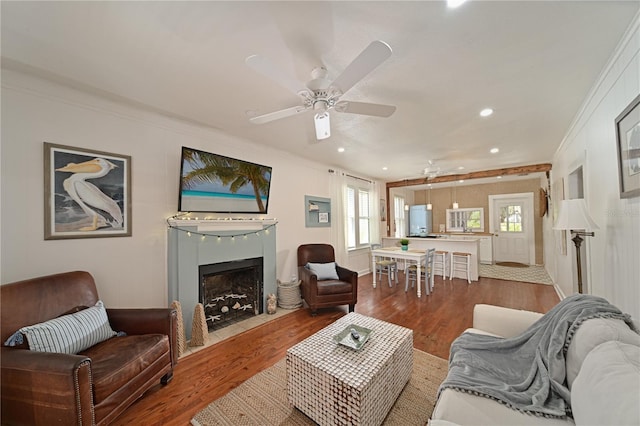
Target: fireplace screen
<point x="231" y="291"/>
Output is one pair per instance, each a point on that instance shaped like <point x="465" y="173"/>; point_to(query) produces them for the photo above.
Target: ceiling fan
<point x="321" y="94"/>
<point x="434" y="170"/>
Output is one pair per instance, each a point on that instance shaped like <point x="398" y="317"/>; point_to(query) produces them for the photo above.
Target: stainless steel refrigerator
<point x="419" y="220"/>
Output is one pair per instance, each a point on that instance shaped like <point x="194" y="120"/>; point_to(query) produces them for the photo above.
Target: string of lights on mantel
<point x="231" y="235"/>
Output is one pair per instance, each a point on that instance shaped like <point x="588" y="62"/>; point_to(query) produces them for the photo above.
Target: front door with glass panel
<point x="512" y="226"/>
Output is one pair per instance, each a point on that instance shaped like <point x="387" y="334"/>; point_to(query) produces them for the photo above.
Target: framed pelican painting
<point x="87" y="193"/>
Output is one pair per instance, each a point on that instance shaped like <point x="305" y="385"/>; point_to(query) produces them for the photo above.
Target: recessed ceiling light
<point x="454" y="3"/>
<point x="385" y="168"/>
<point x="486" y="112"/>
<point x="494" y="150"/>
<point x="461" y="181"/>
<point x="341" y="149"/>
<point x="461" y="168"/>
<point x="498" y="177"/>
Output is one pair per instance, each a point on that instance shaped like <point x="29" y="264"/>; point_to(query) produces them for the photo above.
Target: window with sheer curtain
<point x="399" y="215"/>
<point x="358" y="217"/>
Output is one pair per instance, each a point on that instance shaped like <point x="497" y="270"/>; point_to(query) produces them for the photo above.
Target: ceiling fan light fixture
<point x="323" y="126"/>
<point x="454" y="3"/>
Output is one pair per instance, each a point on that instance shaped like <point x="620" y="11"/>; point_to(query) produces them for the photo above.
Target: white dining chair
<point x="385" y="266"/>
<point x="426" y="273"/>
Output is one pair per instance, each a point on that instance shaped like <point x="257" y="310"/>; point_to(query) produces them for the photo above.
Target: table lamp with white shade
<point x="574" y="217"/>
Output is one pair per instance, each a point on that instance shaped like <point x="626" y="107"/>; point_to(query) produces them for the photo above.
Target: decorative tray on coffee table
<point x="346" y="338"/>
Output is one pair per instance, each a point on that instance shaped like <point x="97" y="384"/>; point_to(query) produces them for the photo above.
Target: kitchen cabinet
<point x="486" y="249"/>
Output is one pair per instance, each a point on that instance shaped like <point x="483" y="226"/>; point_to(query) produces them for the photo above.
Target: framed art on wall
<point x="628" y="144"/>
<point x="87" y="193"/>
<point x="317" y="212"/>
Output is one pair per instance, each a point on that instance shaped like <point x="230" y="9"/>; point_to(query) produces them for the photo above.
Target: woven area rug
<point x="533" y="274"/>
<point x="262" y="400"/>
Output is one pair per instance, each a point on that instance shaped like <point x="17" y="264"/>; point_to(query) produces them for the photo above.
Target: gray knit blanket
<point x="526" y="372"/>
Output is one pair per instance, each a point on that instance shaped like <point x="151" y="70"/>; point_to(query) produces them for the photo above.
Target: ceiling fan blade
<point x="283" y="113"/>
<point x="268" y="69"/>
<point x="365" y="108"/>
<point x="370" y="58"/>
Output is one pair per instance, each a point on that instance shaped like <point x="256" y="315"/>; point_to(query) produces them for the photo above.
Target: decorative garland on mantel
<point x="232" y="235"/>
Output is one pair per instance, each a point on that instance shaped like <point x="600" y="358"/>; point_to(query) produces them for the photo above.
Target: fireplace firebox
<point x="231" y="291"/>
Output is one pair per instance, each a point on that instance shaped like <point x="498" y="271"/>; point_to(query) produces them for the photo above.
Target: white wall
<point x="613" y="255"/>
<point x="129" y="271"/>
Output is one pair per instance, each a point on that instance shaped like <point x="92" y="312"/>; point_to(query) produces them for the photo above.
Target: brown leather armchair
<point x="95" y="385"/>
<point x="325" y="293"/>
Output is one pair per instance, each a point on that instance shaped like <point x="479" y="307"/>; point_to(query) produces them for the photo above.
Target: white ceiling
<point x="533" y="62"/>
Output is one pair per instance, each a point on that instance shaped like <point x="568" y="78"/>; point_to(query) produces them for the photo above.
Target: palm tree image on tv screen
<point x="218" y="184"/>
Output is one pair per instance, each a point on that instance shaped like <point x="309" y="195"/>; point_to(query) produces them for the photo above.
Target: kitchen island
<point x="462" y="243"/>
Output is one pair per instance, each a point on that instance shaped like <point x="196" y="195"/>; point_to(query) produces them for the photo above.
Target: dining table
<point x="416" y="256"/>
<point x="460" y="243"/>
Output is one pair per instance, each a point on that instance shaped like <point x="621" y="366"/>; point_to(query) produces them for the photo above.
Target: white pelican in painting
<point x="92" y="201"/>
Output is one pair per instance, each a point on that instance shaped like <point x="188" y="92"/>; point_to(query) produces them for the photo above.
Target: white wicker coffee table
<point x="337" y="385"/>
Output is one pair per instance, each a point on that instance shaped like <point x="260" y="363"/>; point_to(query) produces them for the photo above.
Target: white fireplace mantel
<point x="212" y="225"/>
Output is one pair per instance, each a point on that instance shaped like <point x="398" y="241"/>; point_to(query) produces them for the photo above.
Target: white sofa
<point x="603" y="375"/>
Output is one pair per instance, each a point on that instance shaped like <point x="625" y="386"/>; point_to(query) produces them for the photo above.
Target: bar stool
<point x="461" y="262"/>
<point x="441" y="263"/>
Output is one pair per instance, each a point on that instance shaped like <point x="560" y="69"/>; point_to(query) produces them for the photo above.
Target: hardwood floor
<point x="436" y="321"/>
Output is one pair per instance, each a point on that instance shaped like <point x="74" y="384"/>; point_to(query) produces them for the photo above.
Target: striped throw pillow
<point x="71" y="333"/>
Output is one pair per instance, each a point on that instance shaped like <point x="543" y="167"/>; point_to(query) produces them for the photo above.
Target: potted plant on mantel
<point x="404" y="244"/>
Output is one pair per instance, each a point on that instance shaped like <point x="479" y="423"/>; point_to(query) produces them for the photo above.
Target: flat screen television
<point x="217" y="184"/>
